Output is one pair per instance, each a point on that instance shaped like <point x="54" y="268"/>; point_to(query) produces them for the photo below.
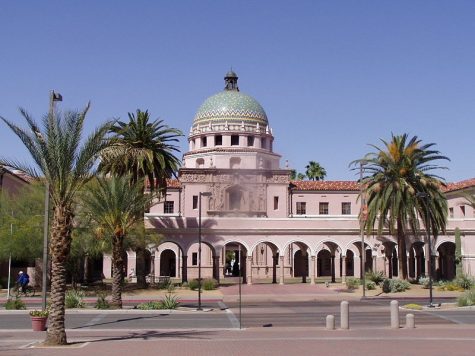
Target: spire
<point x="230" y="80"/>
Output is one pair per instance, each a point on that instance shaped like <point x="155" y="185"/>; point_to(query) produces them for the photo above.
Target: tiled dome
<point x="230" y="106"/>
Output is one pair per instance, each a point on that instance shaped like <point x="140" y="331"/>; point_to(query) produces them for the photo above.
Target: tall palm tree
<point x="315" y="171"/>
<point x="115" y="206"/>
<point x="66" y="162"/>
<point x="399" y="189"/>
<point x="143" y="149"/>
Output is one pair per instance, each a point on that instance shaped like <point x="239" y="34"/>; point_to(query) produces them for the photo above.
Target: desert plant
<point x="193" y="284"/>
<point x="210" y="284"/>
<point x="424" y="282"/>
<point x="15" y="304"/>
<point x="74" y="299"/>
<point x="399" y="285"/>
<point x="467" y="298"/>
<point x="386" y="286"/>
<point x="376" y="277"/>
<point x="352" y="283"/>
<point x="370" y="285"/>
<point x="464" y="281"/>
<point x="102" y="302"/>
<point x="150" y="305"/>
<point x="169" y="302"/>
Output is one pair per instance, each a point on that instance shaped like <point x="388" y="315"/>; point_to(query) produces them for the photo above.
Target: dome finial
<point x="230" y="80"/>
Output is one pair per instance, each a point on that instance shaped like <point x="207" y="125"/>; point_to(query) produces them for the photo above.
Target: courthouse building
<point x="255" y="218"/>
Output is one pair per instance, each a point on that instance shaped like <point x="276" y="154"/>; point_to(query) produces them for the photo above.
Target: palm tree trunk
<point x="117" y="270"/>
<point x="59" y="249"/>
<point x="402" y="252"/>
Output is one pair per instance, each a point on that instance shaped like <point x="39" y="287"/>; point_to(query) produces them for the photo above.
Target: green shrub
<point x="399" y="285"/>
<point x="102" y="302"/>
<point x="424" y="282"/>
<point x="413" y="306"/>
<point x="386" y="286"/>
<point x="464" y="282"/>
<point x="150" y="305"/>
<point x="193" y="284"/>
<point x="15" y="304"/>
<point x="74" y="299"/>
<point x="395" y="285"/>
<point x="352" y="283"/>
<point x="370" y="285"/>
<point x="376" y="277"/>
<point x="210" y="284"/>
<point x="467" y="298"/>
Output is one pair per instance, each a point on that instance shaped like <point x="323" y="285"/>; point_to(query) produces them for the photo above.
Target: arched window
<point x="200" y="163"/>
<point x="234" y="162"/>
<point x="235" y="199"/>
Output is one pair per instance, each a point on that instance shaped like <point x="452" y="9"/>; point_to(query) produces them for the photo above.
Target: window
<point x="462" y="209"/>
<point x="218" y="140"/>
<point x="234" y="140"/>
<point x="250" y="141"/>
<point x="194" y="259"/>
<point x="168" y="207"/>
<point x="323" y="208"/>
<point x="204" y="142"/>
<point x="263" y="142"/>
<point x="276" y="203"/>
<point x="301" y="208"/>
<point x="346" y="208"/>
<point x="451" y="212"/>
<point x="195" y="202"/>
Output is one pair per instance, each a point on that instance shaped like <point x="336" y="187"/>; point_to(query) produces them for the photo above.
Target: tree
<point x="142" y="149"/>
<point x="115" y="206"/>
<point x="315" y="171"/>
<point x="399" y="189"/>
<point x="296" y="176"/>
<point x="66" y="162"/>
<point x="21" y="223"/>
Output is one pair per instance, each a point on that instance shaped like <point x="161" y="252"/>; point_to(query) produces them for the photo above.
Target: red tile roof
<point x="335" y="185"/>
<point x="460" y="185"/>
<point x="171" y="183"/>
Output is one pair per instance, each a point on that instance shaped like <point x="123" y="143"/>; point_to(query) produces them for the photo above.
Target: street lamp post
<point x="363" y="213"/>
<point x="201" y="194"/>
<point x="426" y="197"/>
<point x="53" y="98"/>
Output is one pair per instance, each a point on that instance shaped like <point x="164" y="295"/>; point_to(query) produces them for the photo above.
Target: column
<point x="216" y="268"/>
<point x="281" y="270"/>
<point x="343" y="269"/>
<point x="249" y="269"/>
<point x="312" y="269"/>
<point x="275" y="261"/>
<point x="375" y="268"/>
<point x="184" y="268"/>
<point x="333" y="268"/>
<point x="178" y="264"/>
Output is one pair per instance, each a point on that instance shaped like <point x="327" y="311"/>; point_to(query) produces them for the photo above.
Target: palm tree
<point x="66" y="162"/>
<point x="115" y="206"/>
<point x="142" y="149"/>
<point x="399" y="189"/>
<point x="315" y="171"/>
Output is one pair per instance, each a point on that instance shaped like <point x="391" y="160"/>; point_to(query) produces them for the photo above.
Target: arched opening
<point x="416" y="260"/>
<point x="394" y="263"/>
<point x="350" y="263"/>
<point x="168" y="263"/>
<point x="264" y="263"/>
<point x="235" y="256"/>
<point x="445" y="268"/>
<point x="324" y="264"/>
<point x="300" y="264"/>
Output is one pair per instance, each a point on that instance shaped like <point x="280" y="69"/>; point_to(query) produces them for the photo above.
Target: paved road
<point x="363" y="314"/>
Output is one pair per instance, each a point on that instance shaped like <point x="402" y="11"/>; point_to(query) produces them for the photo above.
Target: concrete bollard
<point x="330" y="322"/>
<point x="410" y="321"/>
<point x="344" y="315"/>
<point x="394" y="305"/>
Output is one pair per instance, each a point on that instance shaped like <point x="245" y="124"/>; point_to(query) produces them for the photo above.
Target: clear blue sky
<point x="333" y="76"/>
